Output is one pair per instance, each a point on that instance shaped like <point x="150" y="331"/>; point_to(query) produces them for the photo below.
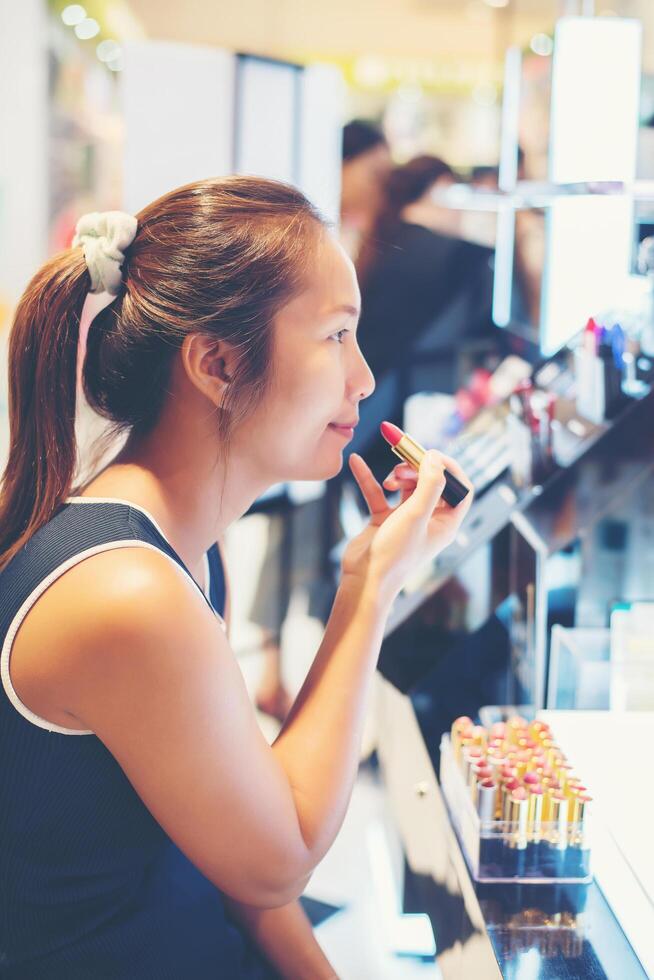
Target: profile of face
<point x="319" y="376"/>
<point x="363" y="181"/>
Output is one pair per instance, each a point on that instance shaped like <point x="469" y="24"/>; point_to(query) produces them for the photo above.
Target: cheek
<point x="312" y="385"/>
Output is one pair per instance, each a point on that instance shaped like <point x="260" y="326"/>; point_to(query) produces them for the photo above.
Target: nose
<point x="361" y="380"/>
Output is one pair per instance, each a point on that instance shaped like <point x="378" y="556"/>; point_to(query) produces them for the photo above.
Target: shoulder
<point x="109" y="600"/>
<point x="126" y="611"/>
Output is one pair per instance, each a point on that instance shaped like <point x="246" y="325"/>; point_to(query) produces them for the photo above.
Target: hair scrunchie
<point x="105" y="235"/>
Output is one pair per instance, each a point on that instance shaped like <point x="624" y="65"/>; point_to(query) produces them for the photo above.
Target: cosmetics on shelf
<point x="521" y="812"/>
<point x="600" y="371"/>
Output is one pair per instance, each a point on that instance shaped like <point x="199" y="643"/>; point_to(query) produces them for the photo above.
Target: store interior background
<point x="430" y="73"/>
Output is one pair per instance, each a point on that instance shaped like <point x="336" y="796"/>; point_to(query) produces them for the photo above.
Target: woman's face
<point x="319" y="376"/>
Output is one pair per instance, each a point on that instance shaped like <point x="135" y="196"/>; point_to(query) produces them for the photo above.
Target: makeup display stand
<point x="492" y="930"/>
<point x="500" y="558"/>
<point x="474" y="629"/>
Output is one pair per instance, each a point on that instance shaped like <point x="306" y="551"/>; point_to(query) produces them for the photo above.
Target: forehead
<point x="330" y="281"/>
<point x="330" y="277"/>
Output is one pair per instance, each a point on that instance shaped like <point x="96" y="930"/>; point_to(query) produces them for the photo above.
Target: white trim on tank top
<point x="130" y="503"/>
<point x="14" y="626"/>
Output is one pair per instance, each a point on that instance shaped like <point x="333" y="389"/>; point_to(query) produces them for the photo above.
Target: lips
<point x="344" y="428"/>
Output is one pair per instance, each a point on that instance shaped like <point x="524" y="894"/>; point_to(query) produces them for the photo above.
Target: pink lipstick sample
<point x="411" y="452"/>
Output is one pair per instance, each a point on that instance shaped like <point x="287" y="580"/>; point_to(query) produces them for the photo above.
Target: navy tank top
<point x="91" y="887"/>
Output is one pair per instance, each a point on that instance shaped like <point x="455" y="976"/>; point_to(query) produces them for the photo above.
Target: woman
<point x="147" y="830"/>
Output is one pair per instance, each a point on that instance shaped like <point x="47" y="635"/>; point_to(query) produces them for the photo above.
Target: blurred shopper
<point x="366" y="166"/>
<point x="147" y="829"/>
<point x="426" y="294"/>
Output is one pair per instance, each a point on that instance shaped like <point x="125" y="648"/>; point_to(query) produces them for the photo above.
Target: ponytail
<point x="42" y="388"/>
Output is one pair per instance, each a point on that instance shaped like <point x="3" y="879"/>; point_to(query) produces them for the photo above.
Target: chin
<point x="322" y="467"/>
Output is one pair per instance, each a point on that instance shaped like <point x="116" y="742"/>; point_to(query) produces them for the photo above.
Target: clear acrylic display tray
<point x="501" y="851"/>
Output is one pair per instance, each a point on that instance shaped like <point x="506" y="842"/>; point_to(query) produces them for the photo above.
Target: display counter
<point x="510" y="930"/>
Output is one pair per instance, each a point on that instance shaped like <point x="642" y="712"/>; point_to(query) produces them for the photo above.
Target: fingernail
<point x="433" y="460"/>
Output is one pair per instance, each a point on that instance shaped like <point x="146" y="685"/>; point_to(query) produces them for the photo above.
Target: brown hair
<point x="405" y="184"/>
<point x="218" y="257"/>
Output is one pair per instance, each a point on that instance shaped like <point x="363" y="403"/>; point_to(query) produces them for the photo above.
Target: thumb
<point x="431" y="483"/>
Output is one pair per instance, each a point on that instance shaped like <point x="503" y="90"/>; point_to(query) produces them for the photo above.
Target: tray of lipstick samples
<point x="519" y="810"/>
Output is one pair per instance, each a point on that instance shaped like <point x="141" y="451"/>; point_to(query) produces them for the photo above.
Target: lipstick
<point x="460" y="728"/>
<point x="411" y="452"/>
<point x="578" y="856"/>
<point x="486" y="807"/>
<point x="535" y="829"/>
<point x="517" y="813"/>
<point x="557" y="817"/>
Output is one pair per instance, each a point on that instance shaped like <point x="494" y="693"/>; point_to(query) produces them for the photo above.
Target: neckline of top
<point x="152" y="520"/>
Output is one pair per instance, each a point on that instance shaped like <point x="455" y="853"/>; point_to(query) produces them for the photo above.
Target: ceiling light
<point x="116" y="64"/>
<point x="370" y="72"/>
<point x="88" y="28"/>
<point x="108" y="50"/>
<point x="542" y="44"/>
<point x="73" y="14"/>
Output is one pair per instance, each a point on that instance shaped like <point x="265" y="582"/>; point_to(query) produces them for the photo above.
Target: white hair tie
<point x="105" y="235"/>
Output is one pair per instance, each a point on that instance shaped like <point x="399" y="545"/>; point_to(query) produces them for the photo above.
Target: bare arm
<point x="286" y="938"/>
<point x="144" y="664"/>
<point x="284" y="934"/>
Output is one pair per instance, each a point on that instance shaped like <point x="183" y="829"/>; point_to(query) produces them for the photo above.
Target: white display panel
<point x="322" y="113"/>
<point x="268" y="110"/>
<point x="557" y="266"/>
<point x="178" y="103"/>
<point x="588" y="251"/>
<point x="595" y="99"/>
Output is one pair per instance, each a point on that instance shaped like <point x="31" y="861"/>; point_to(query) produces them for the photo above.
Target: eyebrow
<point x="344" y="308"/>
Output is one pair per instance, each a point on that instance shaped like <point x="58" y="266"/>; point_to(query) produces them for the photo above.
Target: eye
<point x="338" y="336"/>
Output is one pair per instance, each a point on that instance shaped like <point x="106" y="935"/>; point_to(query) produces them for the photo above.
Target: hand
<point x="399" y="539"/>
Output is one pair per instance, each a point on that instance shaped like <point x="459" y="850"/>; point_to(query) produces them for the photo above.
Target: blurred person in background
<point x="367" y="164"/>
<point x="426" y="292"/>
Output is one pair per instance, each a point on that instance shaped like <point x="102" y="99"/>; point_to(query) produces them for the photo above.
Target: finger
<point x="401" y="474"/>
<point x="451" y="464"/>
<point x="391" y="483"/>
<point x="431" y="482"/>
<point x="372" y="492"/>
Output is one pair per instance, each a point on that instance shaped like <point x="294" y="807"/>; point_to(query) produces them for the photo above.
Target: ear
<point x="209" y="364"/>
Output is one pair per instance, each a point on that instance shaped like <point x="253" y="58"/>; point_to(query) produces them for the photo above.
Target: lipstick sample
<point x="517" y="815"/>
<point x="411" y="452"/>
<point x="535" y="829"/>
<point x="578" y="856"/>
<point x="528" y="819"/>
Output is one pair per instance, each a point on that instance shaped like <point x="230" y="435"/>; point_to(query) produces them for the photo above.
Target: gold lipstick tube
<point x="518" y="817"/>
<point x="558" y="818"/>
<point x="535" y="815"/>
<point x="487" y="802"/>
<point x="411" y="452"/>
